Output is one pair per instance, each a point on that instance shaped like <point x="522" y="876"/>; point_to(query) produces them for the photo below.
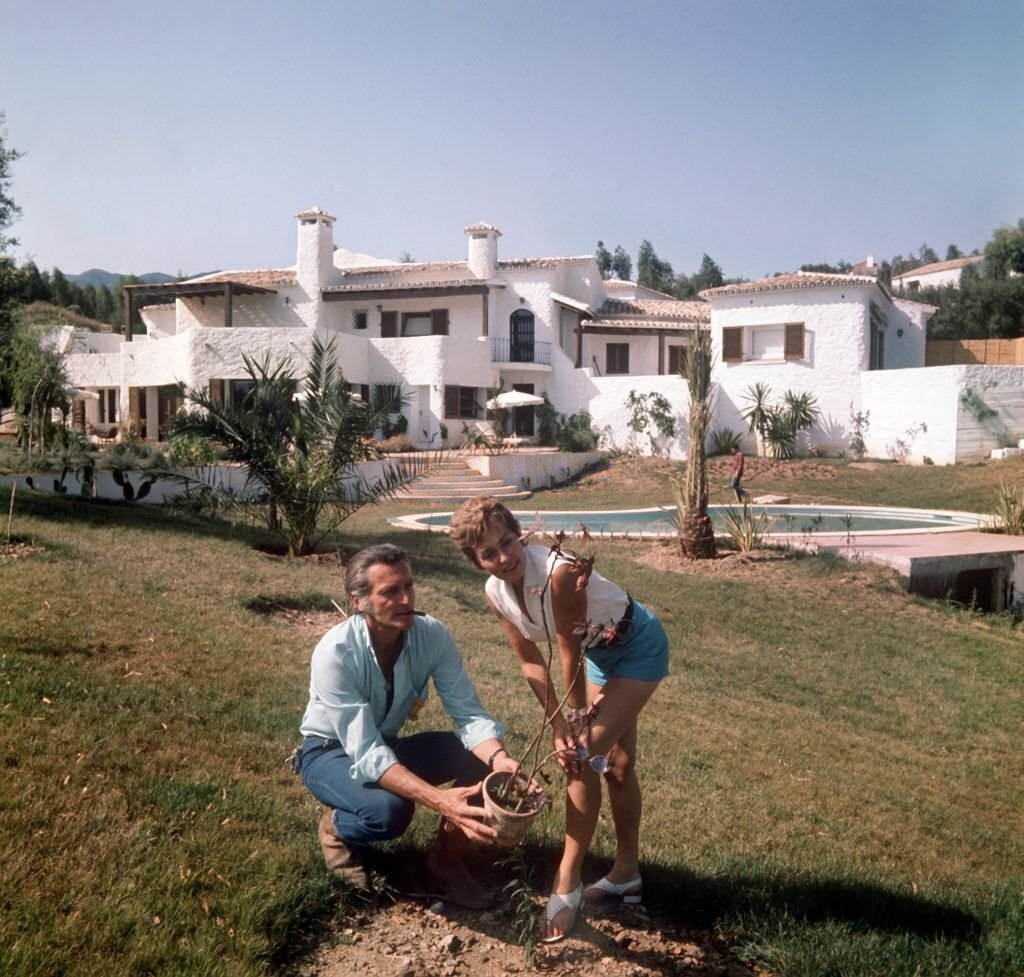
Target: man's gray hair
<point x="357" y="572"/>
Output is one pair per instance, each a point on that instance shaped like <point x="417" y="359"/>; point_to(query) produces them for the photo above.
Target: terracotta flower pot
<point x="510" y="824"/>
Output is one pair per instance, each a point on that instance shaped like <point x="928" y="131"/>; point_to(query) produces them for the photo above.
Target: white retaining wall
<point x="900" y="401"/>
<point x="533" y="471"/>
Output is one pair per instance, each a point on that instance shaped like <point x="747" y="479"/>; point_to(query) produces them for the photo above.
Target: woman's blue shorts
<point x="641" y="653"/>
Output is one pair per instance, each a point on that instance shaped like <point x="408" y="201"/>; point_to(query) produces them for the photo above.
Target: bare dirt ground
<point x="410" y="939"/>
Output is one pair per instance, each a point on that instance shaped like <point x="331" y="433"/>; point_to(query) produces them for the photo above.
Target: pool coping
<point x="978" y="523"/>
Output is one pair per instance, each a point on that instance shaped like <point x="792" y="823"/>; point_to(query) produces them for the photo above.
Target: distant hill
<point x="97" y="277"/>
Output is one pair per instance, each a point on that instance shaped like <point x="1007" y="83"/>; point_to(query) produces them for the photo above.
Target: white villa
<point x="936" y="275"/>
<point x="452" y="331"/>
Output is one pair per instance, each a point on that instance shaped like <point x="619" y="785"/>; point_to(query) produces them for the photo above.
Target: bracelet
<point x="493" y="757"/>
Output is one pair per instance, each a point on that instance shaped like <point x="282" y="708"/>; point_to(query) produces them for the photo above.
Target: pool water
<point x="788" y="519"/>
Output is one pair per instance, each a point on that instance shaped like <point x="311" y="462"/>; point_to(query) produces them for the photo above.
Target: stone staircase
<point x="455" y="482"/>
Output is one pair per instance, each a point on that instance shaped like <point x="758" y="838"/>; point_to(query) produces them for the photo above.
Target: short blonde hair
<point x="471" y="521"/>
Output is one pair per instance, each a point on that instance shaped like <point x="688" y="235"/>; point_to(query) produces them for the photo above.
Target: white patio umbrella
<point x="514" y="398"/>
<point x="80" y="393"/>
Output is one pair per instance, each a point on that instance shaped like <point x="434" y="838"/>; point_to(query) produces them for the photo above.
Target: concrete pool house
<point x="452" y="331"/>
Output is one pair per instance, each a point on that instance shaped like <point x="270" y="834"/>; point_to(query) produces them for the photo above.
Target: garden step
<point x="504" y="491"/>
<point x="447" y="483"/>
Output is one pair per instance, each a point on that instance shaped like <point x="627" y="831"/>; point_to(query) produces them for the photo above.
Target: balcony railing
<point x="518" y="351"/>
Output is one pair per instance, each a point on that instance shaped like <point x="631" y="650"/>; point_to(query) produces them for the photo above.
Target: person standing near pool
<point x="622" y="669"/>
<point x="737" y="474"/>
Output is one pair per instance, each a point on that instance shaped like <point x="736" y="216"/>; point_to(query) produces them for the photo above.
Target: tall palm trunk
<point x="696" y="534"/>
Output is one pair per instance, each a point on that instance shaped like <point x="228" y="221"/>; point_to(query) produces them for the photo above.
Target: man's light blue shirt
<point x="348" y="693"/>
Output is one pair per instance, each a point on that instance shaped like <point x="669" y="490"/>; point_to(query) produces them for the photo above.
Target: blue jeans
<point x="364" y="813"/>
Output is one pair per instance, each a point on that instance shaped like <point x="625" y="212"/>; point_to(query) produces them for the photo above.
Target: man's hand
<point x="468" y="818"/>
<point x="503" y="763"/>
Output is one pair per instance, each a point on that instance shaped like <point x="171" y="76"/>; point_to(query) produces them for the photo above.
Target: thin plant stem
<point x="10" y="512"/>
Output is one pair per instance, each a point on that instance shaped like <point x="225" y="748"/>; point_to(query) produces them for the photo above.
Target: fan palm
<point x="301" y="447"/>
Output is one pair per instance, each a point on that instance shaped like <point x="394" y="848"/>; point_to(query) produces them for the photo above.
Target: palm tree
<point x="696" y="534"/>
<point x="301" y="447"/>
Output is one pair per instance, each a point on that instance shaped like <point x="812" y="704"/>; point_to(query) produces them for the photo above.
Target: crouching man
<point x="368" y="675"/>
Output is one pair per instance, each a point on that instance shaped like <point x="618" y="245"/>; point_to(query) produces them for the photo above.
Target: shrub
<point x="190" y="451"/>
<point x="576" y="433"/>
<point x="397" y="442"/>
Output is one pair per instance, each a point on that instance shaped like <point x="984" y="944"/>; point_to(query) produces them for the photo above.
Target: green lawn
<point x="832" y="771"/>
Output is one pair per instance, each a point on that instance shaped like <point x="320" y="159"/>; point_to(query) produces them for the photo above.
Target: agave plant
<point x="745" y="527"/>
<point x="302" y="447"/>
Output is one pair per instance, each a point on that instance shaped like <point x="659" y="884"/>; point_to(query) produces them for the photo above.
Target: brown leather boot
<point x="446" y="862"/>
<point x="340" y="860"/>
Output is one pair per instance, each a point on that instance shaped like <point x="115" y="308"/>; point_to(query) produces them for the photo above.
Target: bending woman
<point x="622" y="670"/>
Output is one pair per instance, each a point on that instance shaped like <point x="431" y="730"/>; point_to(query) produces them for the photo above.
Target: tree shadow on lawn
<point x="706" y="900"/>
<point x="677" y="897"/>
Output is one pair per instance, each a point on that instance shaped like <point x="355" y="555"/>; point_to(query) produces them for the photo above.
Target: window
<point x="388" y="325"/>
<point x="239" y="390"/>
<point x="461" y="402"/>
<point x="433" y="323"/>
<point x="677" y="360"/>
<point x="361" y="390"/>
<point x="769" y="344"/>
<point x="360" y="317"/>
<point x="617" y="358"/>
<point x="914" y="286"/>
<point x="108" y="406"/>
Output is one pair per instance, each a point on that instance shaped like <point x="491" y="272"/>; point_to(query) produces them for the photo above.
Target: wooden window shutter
<point x="389" y="325"/>
<point x="217" y="391"/>
<point x="439" y="322"/>
<point x="794" y="341"/>
<point x="451" y="401"/>
<point x="732" y="343"/>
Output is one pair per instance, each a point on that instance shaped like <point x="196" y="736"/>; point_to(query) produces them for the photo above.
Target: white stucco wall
<point x="934" y="279"/>
<point x="610" y="415"/>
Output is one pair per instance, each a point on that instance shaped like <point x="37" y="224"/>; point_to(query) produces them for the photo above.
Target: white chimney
<point x="483" y="250"/>
<point x="314" y="265"/>
<point x="869" y="261"/>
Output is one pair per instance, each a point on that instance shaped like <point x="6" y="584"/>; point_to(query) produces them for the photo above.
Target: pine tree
<point x="622" y="264"/>
<point x="604" y="259"/>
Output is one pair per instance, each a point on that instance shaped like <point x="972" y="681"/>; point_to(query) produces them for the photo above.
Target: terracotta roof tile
<point x="260" y="277"/>
<point x="936" y="266"/>
<point x="687" y="311"/>
<point x="390" y="286"/>
<point x="514" y="263"/>
<point x="792" y="280"/>
<point x="403" y="268"/>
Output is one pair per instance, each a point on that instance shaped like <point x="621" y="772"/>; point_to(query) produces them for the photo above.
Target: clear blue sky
<point x="185" y="136"/>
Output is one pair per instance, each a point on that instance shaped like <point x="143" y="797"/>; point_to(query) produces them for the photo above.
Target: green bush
<point x="576" y="433"/>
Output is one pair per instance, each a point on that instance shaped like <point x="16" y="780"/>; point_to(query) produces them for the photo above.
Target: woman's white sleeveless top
<point x="606" y="601"/>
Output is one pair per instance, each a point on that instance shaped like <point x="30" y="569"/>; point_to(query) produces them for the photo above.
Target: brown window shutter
<point x="439" y="322"/>
<point x="451" y="401"/>
<point x="217" y="391"/>
<point x="389" y="325"/>
<point x="732" y="343"/>
<point x="794" y="341"/>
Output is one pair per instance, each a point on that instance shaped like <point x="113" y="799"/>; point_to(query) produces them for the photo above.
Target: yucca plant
<point x="725" y="441"/>
<point x="302" y="448"/>
<point x="745" y="527"/>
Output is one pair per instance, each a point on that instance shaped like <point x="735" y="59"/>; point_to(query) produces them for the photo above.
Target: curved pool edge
<point x="974" y="522"/>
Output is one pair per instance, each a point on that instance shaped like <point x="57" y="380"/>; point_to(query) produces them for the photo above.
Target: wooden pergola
<point x="423" y="290"/>
<point x="132" y="295"/>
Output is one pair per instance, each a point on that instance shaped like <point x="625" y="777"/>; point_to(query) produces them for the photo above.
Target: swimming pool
<point x="784" y="520"/>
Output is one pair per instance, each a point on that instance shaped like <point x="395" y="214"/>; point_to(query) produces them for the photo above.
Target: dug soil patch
<point x="408" y="939"/>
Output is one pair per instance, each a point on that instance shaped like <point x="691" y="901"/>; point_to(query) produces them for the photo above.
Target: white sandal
<point x="605" y="894"/>
<point x="558" y="901"/>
